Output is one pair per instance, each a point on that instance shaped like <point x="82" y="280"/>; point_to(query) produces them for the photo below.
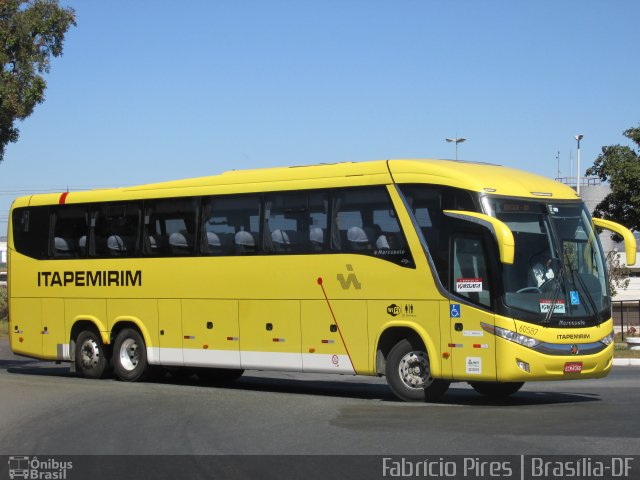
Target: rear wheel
<point x="130" y="356"/>
<point x="90" y="356"/>
<point x="408" y="373"/>
<point x="496" y="390"/>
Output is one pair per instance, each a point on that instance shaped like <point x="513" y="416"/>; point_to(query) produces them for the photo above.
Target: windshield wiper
<point x="554" y="298"/>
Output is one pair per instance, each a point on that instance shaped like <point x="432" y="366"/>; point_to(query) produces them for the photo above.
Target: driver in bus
<point x="541" y="270"/>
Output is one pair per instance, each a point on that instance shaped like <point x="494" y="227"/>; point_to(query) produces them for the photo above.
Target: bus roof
<point x="479" y="177"/>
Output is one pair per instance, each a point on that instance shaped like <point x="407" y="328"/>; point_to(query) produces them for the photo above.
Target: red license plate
<point x="573" y="367"/>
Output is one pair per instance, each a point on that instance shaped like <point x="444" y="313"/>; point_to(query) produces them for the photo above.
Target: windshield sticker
<point x="545" y="306"/>
<point x="467" y="285"/>
<point x="575" y="297"/>
<point x="474" y="365"/>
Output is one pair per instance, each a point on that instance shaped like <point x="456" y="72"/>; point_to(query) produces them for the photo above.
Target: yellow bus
<point x="425" y="271"/>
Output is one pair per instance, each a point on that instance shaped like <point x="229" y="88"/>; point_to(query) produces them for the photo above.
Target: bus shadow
<point x="455" y="396"/>
<point x="35" y="367"/>
<point x="468" y="397"/>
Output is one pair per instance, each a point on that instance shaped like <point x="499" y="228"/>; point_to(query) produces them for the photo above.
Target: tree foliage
<point x="620" y="166"/>
<point x="31" y="32"/>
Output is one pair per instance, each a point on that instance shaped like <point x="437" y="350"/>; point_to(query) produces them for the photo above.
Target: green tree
<point x="620" y="166"/>
<point x="31" y="32"/>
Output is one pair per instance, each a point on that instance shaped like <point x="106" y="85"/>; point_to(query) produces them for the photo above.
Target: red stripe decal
<point x="63" y="198"/>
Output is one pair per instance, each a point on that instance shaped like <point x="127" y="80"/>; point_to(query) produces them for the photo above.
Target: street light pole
<point x="456" y="141"/>
<point x="578" y="174"/>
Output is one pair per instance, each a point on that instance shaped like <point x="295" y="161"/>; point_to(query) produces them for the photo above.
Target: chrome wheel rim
<point x="129" y="354"/>
<point x="414" y="370"/>
<point x="89" y="354"/>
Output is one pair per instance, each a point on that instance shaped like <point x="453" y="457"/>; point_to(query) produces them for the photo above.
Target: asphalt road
<point x="44" y="409"/>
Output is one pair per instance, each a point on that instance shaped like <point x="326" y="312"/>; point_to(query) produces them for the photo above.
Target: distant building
<point x="3" y="250"/>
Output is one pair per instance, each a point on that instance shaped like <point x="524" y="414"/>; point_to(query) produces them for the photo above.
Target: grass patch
<point x="4" y="328"/>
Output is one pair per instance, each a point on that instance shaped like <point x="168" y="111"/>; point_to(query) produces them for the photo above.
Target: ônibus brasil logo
<point x="38" y="469"/>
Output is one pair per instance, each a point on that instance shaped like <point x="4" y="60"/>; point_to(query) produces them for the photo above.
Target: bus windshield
<point x="558" y="275"/>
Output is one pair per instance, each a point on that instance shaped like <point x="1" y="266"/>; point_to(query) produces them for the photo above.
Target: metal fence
<point x="626" y="314"/>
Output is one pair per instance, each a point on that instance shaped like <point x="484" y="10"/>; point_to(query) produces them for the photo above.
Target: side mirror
<point x="624" y="232"/>
<point x="501" y="232"/>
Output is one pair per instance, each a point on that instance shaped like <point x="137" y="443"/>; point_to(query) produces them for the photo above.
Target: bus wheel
<point x="130" y="356"/>
<point x="496" y="390"/>
<point x="219" y="375"/>
<point x="90" y="356"/>
<point x="409" y="374"/>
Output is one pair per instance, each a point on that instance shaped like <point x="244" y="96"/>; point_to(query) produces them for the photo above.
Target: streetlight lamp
<point x="456" y="141"/>
<point x="578" y="138"/>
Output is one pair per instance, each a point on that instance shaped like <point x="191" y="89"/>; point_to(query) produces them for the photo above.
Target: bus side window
<point x="69" y="226"/>
<point x="31" y="231"/>
<point x="115" y="230"/>
<point x="170" y="227"/>
<point x="295" y="222"/>
<point x="231" y="225"/>
<point x="364" y="221"/>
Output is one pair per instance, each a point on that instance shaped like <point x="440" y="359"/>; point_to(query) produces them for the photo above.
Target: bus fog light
<point x="523" y="365"/>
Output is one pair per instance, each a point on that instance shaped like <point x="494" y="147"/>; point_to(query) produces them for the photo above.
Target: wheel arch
<point x="86" y="322"/>
<point x="392" y="333"/>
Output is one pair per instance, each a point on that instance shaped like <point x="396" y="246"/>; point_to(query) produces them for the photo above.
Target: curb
<point x="625" y="362"/>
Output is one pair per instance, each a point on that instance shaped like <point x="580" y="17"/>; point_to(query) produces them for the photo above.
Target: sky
<point x="148" y="91"/>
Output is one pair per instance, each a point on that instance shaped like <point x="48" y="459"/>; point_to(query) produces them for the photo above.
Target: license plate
<point x="573" y="367"/>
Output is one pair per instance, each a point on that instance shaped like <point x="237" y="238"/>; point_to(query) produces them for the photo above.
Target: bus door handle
<point x="458" y="327"/>
<point x="333" y="328"/>
<point x="269" y="326"/>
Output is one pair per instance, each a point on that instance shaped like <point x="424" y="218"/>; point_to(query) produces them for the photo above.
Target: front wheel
<point x="130" y="356"/>
<point x="408" y="373"/>
<point x="496" y="390"/>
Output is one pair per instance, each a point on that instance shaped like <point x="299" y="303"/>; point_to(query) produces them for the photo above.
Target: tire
<point x="496" y="390"/>
<point x="219" y="375"/>
<point x="91" y="356"/>
<point x="130" y="357"/>
<point x="409" y="375"/>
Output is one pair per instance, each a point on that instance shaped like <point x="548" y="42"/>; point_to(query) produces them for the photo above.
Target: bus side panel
<point x="26" y="314"/>
<point x="210" y="333"/>
<point x="423" y="317"/>
<point x="54" y="335"/>
<point x="270" y="334"/>
<point x="323" y="349"/>
<point x="170" y="332"/>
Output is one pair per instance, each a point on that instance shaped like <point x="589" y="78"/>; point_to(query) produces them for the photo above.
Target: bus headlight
<point x="608" y="340"/>
<point x="512" y="336"/>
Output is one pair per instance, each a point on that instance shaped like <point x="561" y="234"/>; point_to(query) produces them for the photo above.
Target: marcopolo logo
<point x="37" y="468"/>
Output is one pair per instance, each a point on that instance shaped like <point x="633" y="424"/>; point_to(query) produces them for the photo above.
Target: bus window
<point x="115" y="230"/>
<point x="427" y="203"/>
<point x="470" y="276"/>
<point x="70" y="230"/>
<point x="170" y="227"/>
<point x="231" y="225"/>
<point x="295" y="222"/>
<point x="31" y="231"/>
<point x="364" y="221"/>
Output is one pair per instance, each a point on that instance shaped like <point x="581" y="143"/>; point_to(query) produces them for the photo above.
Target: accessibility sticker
<point x="454" y="310"/>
